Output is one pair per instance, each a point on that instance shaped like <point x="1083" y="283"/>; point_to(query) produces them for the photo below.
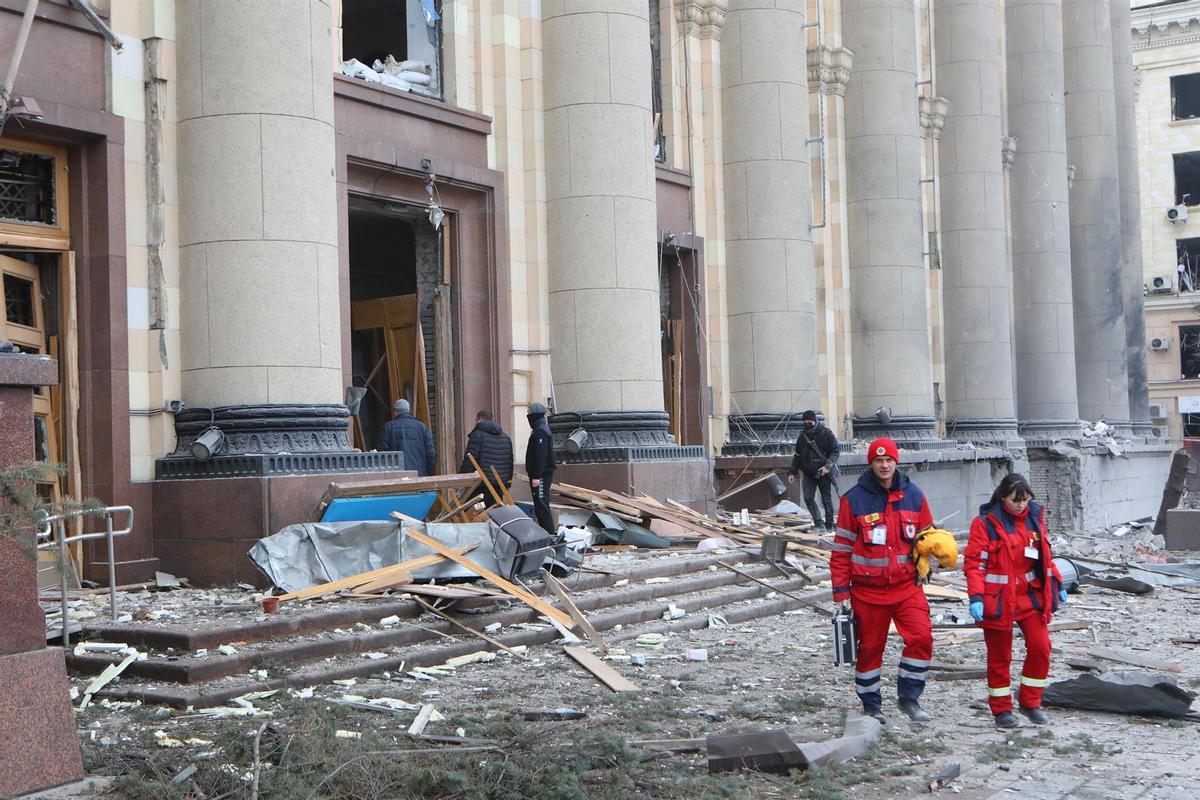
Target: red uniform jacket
<point x="1010" y="584"/>
<point x="872" y="550"/>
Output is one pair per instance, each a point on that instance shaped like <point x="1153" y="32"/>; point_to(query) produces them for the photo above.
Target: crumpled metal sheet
<point x="860" y="733"/>
<point x="311" y="553"/>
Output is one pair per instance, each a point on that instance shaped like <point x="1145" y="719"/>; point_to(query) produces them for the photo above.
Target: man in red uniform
<point x="872" y="567"/>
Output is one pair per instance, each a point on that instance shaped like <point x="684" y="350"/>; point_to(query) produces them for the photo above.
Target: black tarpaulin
<point x="1146" y="694"/>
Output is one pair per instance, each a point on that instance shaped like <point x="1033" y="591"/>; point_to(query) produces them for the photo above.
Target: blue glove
<point x="976" y="610"/>
<point x="1062" y="596"/>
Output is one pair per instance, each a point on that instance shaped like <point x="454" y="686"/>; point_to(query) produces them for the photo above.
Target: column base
<point x="909" y="433"/>
<point x="1045" y="432"/>
<point x="37" y="727"/>
<point x="617" y="437"/>
<point x="763" y="434"/>
<point x="990" y="431"/>
<point x="262" y="440"/>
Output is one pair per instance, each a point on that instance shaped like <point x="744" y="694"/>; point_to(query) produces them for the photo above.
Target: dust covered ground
<point x="769" y="673"/>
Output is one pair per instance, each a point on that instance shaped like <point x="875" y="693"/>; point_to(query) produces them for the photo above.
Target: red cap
<point x="883" y="447"/>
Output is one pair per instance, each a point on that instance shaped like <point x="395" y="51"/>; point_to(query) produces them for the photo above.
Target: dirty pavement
<point x="478" y="694"/>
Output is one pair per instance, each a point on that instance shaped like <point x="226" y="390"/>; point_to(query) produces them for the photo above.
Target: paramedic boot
<point x="877" y="713"/>
<point x="913" y="709"/>
<point x="1035" y="715"/>
<point x="1006" y="720"/>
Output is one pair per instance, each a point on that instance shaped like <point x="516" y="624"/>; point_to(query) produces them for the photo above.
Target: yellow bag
<point x="937" y="543"/>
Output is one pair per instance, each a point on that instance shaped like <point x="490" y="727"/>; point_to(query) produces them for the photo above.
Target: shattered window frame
<point x="28" y="179"/>
<point x="1186" y="169"/>
<point x="1189" y="352"/>
<point x="435" y="89"/>
<point x="1185" y="87"/>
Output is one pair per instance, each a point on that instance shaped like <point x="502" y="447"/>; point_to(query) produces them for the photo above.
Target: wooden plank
<point x="601" y="671"/>
<point x="464" y="504"/>
<point x="564" y="597"/>
<point x="1133" y="659"/>
<point x="525" y="597"/>
<point x="977" y="634"/>
<point x="365" y="577"/>
<point x="422" y="719"/>
<point x="483" y="477"/>
<point x="385" y="582"/>
<point x="401" y="485"/>
<point x="508" y="500"/>
<point x="945" y="592"/>
<point x="470" y="630"/>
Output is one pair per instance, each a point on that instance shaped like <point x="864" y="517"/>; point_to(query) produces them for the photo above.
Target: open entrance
<point x="684" y="393"/>
<point x="401" y="321"/>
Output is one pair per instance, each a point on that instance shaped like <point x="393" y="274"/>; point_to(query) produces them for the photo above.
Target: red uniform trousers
<point x="1034" y="672"/>
<point x="909" y="609"/>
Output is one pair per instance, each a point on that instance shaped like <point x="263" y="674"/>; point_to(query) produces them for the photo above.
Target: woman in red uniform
<point x="1011" y="577"/>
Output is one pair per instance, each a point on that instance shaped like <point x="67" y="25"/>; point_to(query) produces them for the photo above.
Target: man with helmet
<point x="872" y="567"/>
<point x="539" y="464"/>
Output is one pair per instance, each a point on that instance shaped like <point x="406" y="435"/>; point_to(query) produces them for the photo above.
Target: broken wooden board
<point x="469" y="629"/>
<point x="564" y="597"/>
<point x="943" y="592"/>
<point x="1133" y="659"/>
<point x="528" y="598"/>
<point x="366" y="577"/>
<point x="601" y="671"/>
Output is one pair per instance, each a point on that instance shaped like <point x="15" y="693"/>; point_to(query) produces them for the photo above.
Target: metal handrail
<point x="60" y="521"/>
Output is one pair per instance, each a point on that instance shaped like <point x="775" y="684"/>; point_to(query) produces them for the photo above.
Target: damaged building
<point x="245" y="229"/>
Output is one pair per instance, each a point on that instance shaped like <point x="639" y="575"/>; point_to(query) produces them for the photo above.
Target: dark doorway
<point x="680" y="312"/>
<point x="396" y="280"/>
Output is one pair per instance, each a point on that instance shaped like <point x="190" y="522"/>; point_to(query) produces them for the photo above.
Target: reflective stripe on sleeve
<point x="995" y="579"/>
<point x="869" y="562"/>
<point x="842" y="533"/>
<point x="984" y="555"/>
<point x="841" y="548"/>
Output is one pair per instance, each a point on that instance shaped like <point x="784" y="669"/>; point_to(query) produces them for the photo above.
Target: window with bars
<point x="27" y="188"/>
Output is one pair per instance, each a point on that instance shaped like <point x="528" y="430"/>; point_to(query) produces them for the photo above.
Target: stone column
<point x="889" y="305"/>
<point x="1047" y="401"/>
<point x="1097" y="277"/>
<point x="600" y="210"/>
<point x="1131" y="216"/>
<point x="768" y="242"/>
<point x="260" y="317"/>
<point x="976" y="279"/>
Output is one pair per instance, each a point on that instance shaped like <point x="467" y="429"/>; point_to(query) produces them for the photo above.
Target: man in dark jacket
<point x="539" y="464"/>
<point x="816" y="456"/>
<point x="406" y="433"/>
<point x="491" y="447"/>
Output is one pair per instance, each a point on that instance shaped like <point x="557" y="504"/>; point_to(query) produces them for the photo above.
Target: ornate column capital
<point x="829" y="69"/>
<point x="1008" y="151"/>
<point x="702" y="18"/>
<point x="933" y="115"/>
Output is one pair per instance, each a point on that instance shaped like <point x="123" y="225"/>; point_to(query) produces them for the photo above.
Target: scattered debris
<point x="943" y="777"/>
<point x="764" y="751"/>
<point x="606" y="674"/>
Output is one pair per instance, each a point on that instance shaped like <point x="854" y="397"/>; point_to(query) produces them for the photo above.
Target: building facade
<point x="1166" y="46"/>
<point x="680" y="223"/>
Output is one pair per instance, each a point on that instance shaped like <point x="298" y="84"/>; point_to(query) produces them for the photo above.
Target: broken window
<point x="656" y="95"/>
<point x="1185" y="96"/>
<point x="1189" y="351"/>
<point x="1191" y="426"/>
<point x="394" y="43"/>
<point x="27" y="187"/>
<point x="1187" y="178"/>
<point x="1187" y="260"/>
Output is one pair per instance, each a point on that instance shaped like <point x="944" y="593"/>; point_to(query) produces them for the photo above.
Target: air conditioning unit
<point x="1160" y="343"/>
<point x="1161" y="284"/>
<point x="1177" y="214"/>
<point x="1158" y="411"/>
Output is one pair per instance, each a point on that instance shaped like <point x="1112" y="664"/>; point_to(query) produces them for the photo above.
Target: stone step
<point x="284" y="654"/>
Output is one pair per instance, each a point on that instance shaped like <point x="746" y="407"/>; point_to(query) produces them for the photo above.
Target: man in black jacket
<point x="816" y="456"/>
<point x="406" y="433"/>
<point x="491" y="447"/>
<point x="539" y="464"/>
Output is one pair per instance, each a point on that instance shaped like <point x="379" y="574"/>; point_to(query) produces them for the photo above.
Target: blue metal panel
<point x="380" y="506"/>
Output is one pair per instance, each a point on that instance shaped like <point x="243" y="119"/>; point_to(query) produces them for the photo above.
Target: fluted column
<point x="889" y="306"/>
<point x="600" y="213"/>
<point x="976" y="279"/>
<point x="1047" y="400"/>
<point x="768" y="243"/>
<point x="1131" y="215"/>
<point x="1097" y="276"/>
<point x="261" y="320"/>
